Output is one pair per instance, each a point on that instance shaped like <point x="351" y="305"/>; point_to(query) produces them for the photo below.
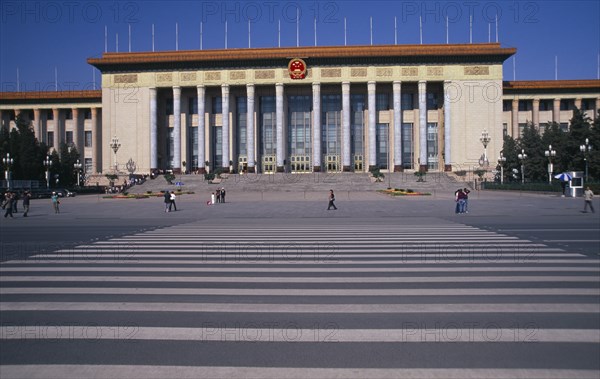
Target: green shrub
<point x="209" y="176"/>
<point x="169" y="178"/>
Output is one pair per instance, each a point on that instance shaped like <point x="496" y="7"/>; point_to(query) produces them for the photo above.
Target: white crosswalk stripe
<point x="196" y="300"/>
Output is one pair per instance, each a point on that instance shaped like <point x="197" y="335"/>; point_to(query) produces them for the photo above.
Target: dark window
<point x="504" y="129"/>
<point x="217" y="105"/>
<point x="382" y="102"/>
<point x="566" y="104"/>
<point x="432" y="100"/>
<point x="525" y="105"/>
<point x="68" y="114"/>
<point x="507" y="105"/>
<point x="50" y="139"/>
<point x="193" y="105"/>
<point x="407" y="101"/>
<point x="87" y="114"/>
<point x="545" y="105"/>
<point x="88" y="139"/>
<point x="69" y="137"/>
<point x="49" y="114"/>
<point x="169" y="107"/>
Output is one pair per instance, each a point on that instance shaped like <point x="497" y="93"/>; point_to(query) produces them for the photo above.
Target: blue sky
<point x="37" y="36"/>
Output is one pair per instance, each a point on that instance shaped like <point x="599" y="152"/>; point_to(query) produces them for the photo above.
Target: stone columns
<point x="556" y="111"/>
<point x="57" y="137"/>
<point x="447" y="127"/>
<point x="316" y="137"/>
<point x="346" y="150"/>
<point x="37" y="124"/>
<point x="397" y="88"/>
<point x="515" y="118"/>
<point x="250" y="126"/>
<point x="96" y="142"/>
<point x="200" y="91"/>
<point x="535" y="113"/>
<point x="78" y="134"/>
<point x="422" y="125"/>
<point x="279" y="124"/>
<point x="153" y="131"/>
<point x="176" y="129"/>
<point x="371" y="104"/>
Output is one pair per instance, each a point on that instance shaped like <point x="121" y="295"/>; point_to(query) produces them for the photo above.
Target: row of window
<point x="68" y="114"/>
<point x="548" y="105"/>
<point x="87" y="138"/>
<point x="382" y="102"/>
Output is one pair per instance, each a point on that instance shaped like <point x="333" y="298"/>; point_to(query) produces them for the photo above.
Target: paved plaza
<point x="272" y="285"/>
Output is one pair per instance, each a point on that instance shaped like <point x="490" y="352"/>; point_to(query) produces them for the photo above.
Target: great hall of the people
<point x="301" y="109"/>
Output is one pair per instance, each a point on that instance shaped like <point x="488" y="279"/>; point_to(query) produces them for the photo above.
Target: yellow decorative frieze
<point x="384" y="71"/>
<point x="125" y="78"/>
<point x="264" y="74"/>
<point x="164" y="77"/>
<point x="435" y="71"/>
<point x="237" y="75"/>
<point x="477" y="70"/>
<point x="331" y="72"/>
<point x="410" y="71"/>
<point x="188" y="76"/>
<point x="212" y="75"/>
<point x="358" y="72"/>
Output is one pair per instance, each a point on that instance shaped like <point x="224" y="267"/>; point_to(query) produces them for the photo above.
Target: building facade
<point x="305" y="109"/>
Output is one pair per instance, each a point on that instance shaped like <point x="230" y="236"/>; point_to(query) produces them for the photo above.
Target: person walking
<point x="55" y="202"/>
<point x="456" y="200"/>
<point x="331" y="200"/>
<point x="222" y="194"/>
<point x="8" y="205"/>
<point x="172" y="199"/>
<point x="588" y="195"/>
<point x="26" y="197"/>
<point x="167" y="200"/>
<point x="218" y="195"/>
<point x="466" y="193"/>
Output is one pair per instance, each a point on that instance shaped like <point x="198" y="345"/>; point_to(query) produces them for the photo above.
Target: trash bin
<point x="575" y="184"/>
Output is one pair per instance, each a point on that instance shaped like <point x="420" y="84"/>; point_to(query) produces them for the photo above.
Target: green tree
<point x="25" y="150"/>
<point x="510" y="151"/>
<point x="68" y="157"/>
<point x="535" y="164"/>
<point x="555" y="137"/>
<point x="580" y="129"/>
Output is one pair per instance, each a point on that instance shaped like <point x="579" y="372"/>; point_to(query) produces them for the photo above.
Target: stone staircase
<point x="313" y="182"/>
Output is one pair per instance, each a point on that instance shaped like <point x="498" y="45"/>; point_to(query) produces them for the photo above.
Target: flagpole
<point x="514" y="68"/>
<point x="201" y="36"/>
<point x="395" y="30"/>
<point x="345" y="33"/>
<point x="496" y="28"/>
<point x="371" y="28"/>
<point x="129" y="27"/>
<point x="226" y="34"/>
<point x="297" y="27"/>
<point x="447" y="36"/>
<point x="152" y="37"/>
<point x="105" y="38"/>
<point x="315" y="26"/>
<point x="279" y="33"/>
<point x="94" y="77"/>
<point x="248" y="33"/>
<point x="176" y="36"/>
<point x="117" y="41"/>
<point x="489" y="32"/>
<point x="470" y="28"/>
<point x="420" y="30"/>
<point x="55" y="78"/>
<point x="556" y="67"/>
<point x="18" y="81"/>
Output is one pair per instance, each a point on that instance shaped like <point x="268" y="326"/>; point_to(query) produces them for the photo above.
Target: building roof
<point x="316" y="55"/>
<point x="51" y="97"/>
<point x="550" y="86"/>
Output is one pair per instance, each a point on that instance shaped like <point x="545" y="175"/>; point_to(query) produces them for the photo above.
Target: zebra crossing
<point x="354" y="301"/>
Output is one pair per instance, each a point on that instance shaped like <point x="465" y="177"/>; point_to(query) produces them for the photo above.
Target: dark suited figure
<point x="8" y="205"/>
<point x="331" y="200"/>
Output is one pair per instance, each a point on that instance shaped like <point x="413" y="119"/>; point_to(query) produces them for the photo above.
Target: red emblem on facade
<point x="297" y="68"/>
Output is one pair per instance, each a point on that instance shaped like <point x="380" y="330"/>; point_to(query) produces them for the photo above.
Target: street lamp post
<point x="8" y="161"/>
<point x="115" y="145"/>
<point x="585" y="149"/>
<point x="550" y="154"/>
<point x="501" y="160"/>
<point x="47" y="164"/>
<point x="485" y="140"/>
<point x="77" y="167"/>
<point x="522" y="158"/>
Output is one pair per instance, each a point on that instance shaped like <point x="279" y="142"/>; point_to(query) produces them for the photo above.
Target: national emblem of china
<point x="297" y="68"/>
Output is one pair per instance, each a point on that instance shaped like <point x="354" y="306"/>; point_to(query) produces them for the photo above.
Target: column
<point x="423" y="125"/>
<point x="397" y="88"/>
<point x="371" y="104"/>
<point x="37" y="124"/>
<point x="176" y="129"/>
<point x="153" y="131"/>
<point x="346" y="150"/>
<point x="200" y="91"/>
<point x="556" y="111"/>
<point x="250" y="126"/>
<point x="515" y="118"/>
<point x="225" y="127"/>
<point x="279" y="124"/>
<point x="56" y="141"/>
<point x="77" y="134"/>
<point x="316" y="98"/>
<point x="96" y="143"/>
<point x="447" y="127"/>
<point x="535" y="113"/>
